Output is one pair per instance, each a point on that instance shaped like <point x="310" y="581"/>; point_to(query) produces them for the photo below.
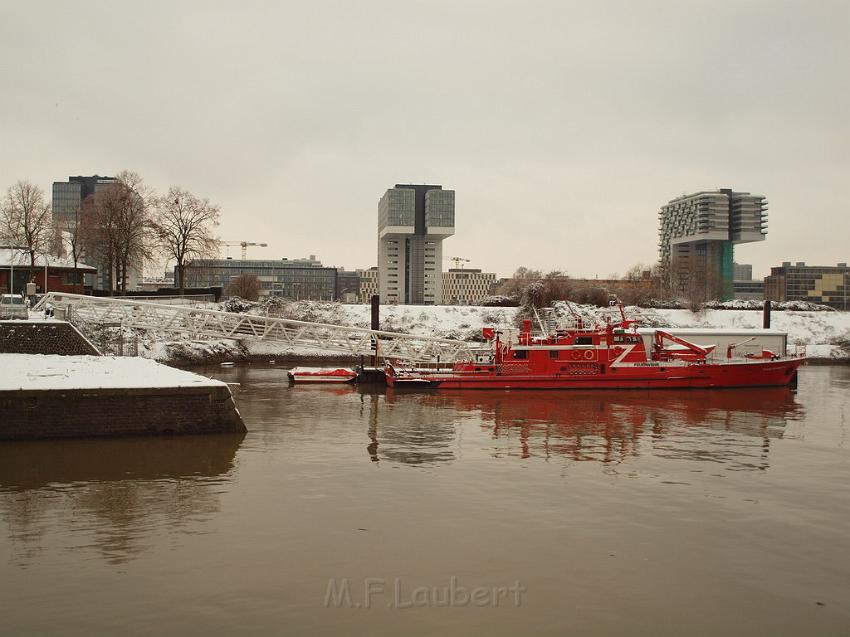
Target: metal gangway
<point x="198" y="323"/>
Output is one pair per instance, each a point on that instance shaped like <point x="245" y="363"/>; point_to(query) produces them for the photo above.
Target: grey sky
<point x="562" y="126"/>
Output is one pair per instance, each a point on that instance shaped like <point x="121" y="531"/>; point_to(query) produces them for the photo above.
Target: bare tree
<point x="72" y="230"/>
<point x="57" y="241"/>
<point x="118" y="229"/>
<point x="184" y="225"/>
<point x="27" y="221"/>
<point x="519" y="281"/>
<point x="246" y="286"/>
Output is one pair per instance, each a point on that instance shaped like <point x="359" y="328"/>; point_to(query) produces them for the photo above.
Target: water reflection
<point x="119" y="490"/>
<point x="712" y="425"/>
<point x="407" y="431"/>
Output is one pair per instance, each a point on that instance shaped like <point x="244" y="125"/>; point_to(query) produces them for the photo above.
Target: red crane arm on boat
<point x="661" y="336"/>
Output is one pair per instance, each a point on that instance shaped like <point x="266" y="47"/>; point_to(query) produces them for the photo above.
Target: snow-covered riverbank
<point x="826" y="335"/>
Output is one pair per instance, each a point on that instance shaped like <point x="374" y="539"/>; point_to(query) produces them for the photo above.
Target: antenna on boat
<point x="615" y="301"/>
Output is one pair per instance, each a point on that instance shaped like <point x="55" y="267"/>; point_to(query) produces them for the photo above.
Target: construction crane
<point x="244" y="245"/>
<point x="458" y="261"/>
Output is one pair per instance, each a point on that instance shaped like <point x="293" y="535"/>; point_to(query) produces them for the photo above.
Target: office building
<point x="294" y="279"/>
<point x="742" y="271"/>
<point x="413" y="221"/>
<point x="69" y="195"/>
<point x="467" y="287"/>
<point x="368" y="284"/>
<point x="744" y="287"/>
<point x="824" y="284"/>
<point x="697" y="234"/>
<point x="347" y="285"/>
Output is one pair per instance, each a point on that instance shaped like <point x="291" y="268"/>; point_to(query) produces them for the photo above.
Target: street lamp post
<point x="11" y="249"/>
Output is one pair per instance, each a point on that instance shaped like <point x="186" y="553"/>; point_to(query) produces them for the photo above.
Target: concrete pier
<point x="69" y="396"/>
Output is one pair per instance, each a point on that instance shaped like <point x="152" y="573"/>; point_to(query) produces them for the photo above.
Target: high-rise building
<point x="68" y="195"/>
<point x="824" y="284"/>
<point x="413" y="220"/>
<point x="696" y="237"/>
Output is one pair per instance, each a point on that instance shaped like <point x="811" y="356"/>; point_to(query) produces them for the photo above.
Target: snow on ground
<point x="821" y="332"/>
<point x="39" y="371"/>
<point x="825" y="334"/>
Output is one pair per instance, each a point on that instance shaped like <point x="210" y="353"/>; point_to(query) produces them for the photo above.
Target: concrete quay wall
<point x="34" y="414"/>
<point x="43" y="337"/>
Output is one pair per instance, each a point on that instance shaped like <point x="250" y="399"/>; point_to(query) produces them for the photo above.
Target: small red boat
<point x="301" y="375"/>
<point x="608" y="356"/>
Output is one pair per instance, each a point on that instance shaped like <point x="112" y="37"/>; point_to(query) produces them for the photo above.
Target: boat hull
<point x="302" y="375"/>
<point x="773" y="373"/>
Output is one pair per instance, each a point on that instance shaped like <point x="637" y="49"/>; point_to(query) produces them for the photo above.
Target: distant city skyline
<point x="561" y="126"/>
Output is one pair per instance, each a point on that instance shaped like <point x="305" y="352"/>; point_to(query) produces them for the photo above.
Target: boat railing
<point x="430" y="366"/>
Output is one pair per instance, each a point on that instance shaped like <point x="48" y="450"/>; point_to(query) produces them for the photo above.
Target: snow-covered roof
<point x="22" y="260"/>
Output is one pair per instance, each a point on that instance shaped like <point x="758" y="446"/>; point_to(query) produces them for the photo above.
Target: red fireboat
<point x="612" y="355"/>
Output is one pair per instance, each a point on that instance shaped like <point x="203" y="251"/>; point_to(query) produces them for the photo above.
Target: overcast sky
<point x="562" y="126"/>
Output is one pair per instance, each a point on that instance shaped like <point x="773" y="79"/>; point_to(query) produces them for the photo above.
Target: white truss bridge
<point x="201" y="323"/>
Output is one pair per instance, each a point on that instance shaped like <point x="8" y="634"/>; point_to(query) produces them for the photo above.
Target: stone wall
<point x="32" y="414"/>
<point x="43" y="337"/>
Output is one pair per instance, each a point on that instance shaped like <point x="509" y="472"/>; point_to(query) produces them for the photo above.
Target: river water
<point x="346" y="511"/>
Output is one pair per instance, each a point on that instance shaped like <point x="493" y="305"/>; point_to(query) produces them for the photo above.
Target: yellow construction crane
<point x="244" y="245"/>
<point x="458" y="261"/>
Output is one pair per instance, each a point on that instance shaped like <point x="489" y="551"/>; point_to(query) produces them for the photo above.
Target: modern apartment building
<point x="413" y="221"/>
<point x="296" y="279"/>
<point x="828" y="285"/>
<point x="697" y="234"/>
<point x="467" y="287"/>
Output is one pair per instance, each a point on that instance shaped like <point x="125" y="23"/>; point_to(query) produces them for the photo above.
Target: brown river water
<point x="373" y="512"/>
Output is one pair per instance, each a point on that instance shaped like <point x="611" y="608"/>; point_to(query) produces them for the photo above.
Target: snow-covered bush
<point x="237" y="304"/>
<point x="499" y="300"/>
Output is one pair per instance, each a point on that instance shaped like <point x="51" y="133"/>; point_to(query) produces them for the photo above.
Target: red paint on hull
<point x="745" y="374"/>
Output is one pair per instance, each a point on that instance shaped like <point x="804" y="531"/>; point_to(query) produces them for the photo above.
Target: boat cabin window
<point x="626" y="339"/>
<point x="520" y="353"/>
<point x="554" y="353"/>
<point x="584" y="340"/>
